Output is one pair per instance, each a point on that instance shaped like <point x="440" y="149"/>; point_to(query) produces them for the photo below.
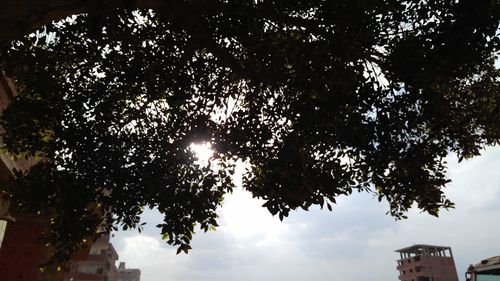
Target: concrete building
<point x="128" y="274"/>
<point x="99" y="265"/>
<point x="426" y="263"/>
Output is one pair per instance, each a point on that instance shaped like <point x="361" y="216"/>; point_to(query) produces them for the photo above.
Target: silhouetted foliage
<point x="321" y="98"/>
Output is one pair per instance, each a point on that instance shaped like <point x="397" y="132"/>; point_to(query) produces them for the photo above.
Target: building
<point x="21" y="252"/>
<point x="426" y="263"/>
<point x="128" y="274"/>
<point x="99" y="265"/>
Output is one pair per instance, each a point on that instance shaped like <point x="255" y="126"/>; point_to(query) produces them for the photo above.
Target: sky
<point x="354" y="242"/>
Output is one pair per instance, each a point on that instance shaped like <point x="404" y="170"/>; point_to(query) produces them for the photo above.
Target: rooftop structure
<point x="426" y="263"/>
<point x="128" y="274"/>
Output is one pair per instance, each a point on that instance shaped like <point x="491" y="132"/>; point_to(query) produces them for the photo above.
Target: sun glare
<point x="203" y="151"/>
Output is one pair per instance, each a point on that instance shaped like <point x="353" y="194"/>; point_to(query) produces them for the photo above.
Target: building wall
<point x="99" y="265"/>
<point x="426" y="263"/>
<point x="439" y="268"/>
<point x="3" y="225"/>
<point x="128" y="274"/>
<point x="22" y="253"/>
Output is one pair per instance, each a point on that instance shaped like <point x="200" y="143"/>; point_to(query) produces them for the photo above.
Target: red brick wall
<point x="440" y="268"/>
<point x="21" y="252"/>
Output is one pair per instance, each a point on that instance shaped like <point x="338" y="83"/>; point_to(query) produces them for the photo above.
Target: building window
<point x="417" y="258"/>
<point x="411" y="269"/>
<point x="99" y="270"/>
<point x="103" y="251"/>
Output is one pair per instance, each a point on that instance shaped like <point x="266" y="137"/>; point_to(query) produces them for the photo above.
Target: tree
<point x="20" y="17"/>
<point x="321" y="98"/>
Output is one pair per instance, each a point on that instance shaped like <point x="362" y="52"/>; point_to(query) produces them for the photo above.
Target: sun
<point x="203" y="152"/>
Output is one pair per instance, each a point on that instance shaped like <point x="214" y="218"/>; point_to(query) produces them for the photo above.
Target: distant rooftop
<point x="421" y="248"/>
<point x="425" y="250"/>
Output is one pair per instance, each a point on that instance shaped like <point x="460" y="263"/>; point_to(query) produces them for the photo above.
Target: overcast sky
<point x="354" y="242"/>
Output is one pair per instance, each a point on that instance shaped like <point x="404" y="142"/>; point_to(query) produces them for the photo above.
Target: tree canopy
<point x="320" y="98"/>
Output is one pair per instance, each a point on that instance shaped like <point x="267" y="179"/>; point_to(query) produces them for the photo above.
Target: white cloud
<point x="157" y="262"/>
<point x="246" y="221"/>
